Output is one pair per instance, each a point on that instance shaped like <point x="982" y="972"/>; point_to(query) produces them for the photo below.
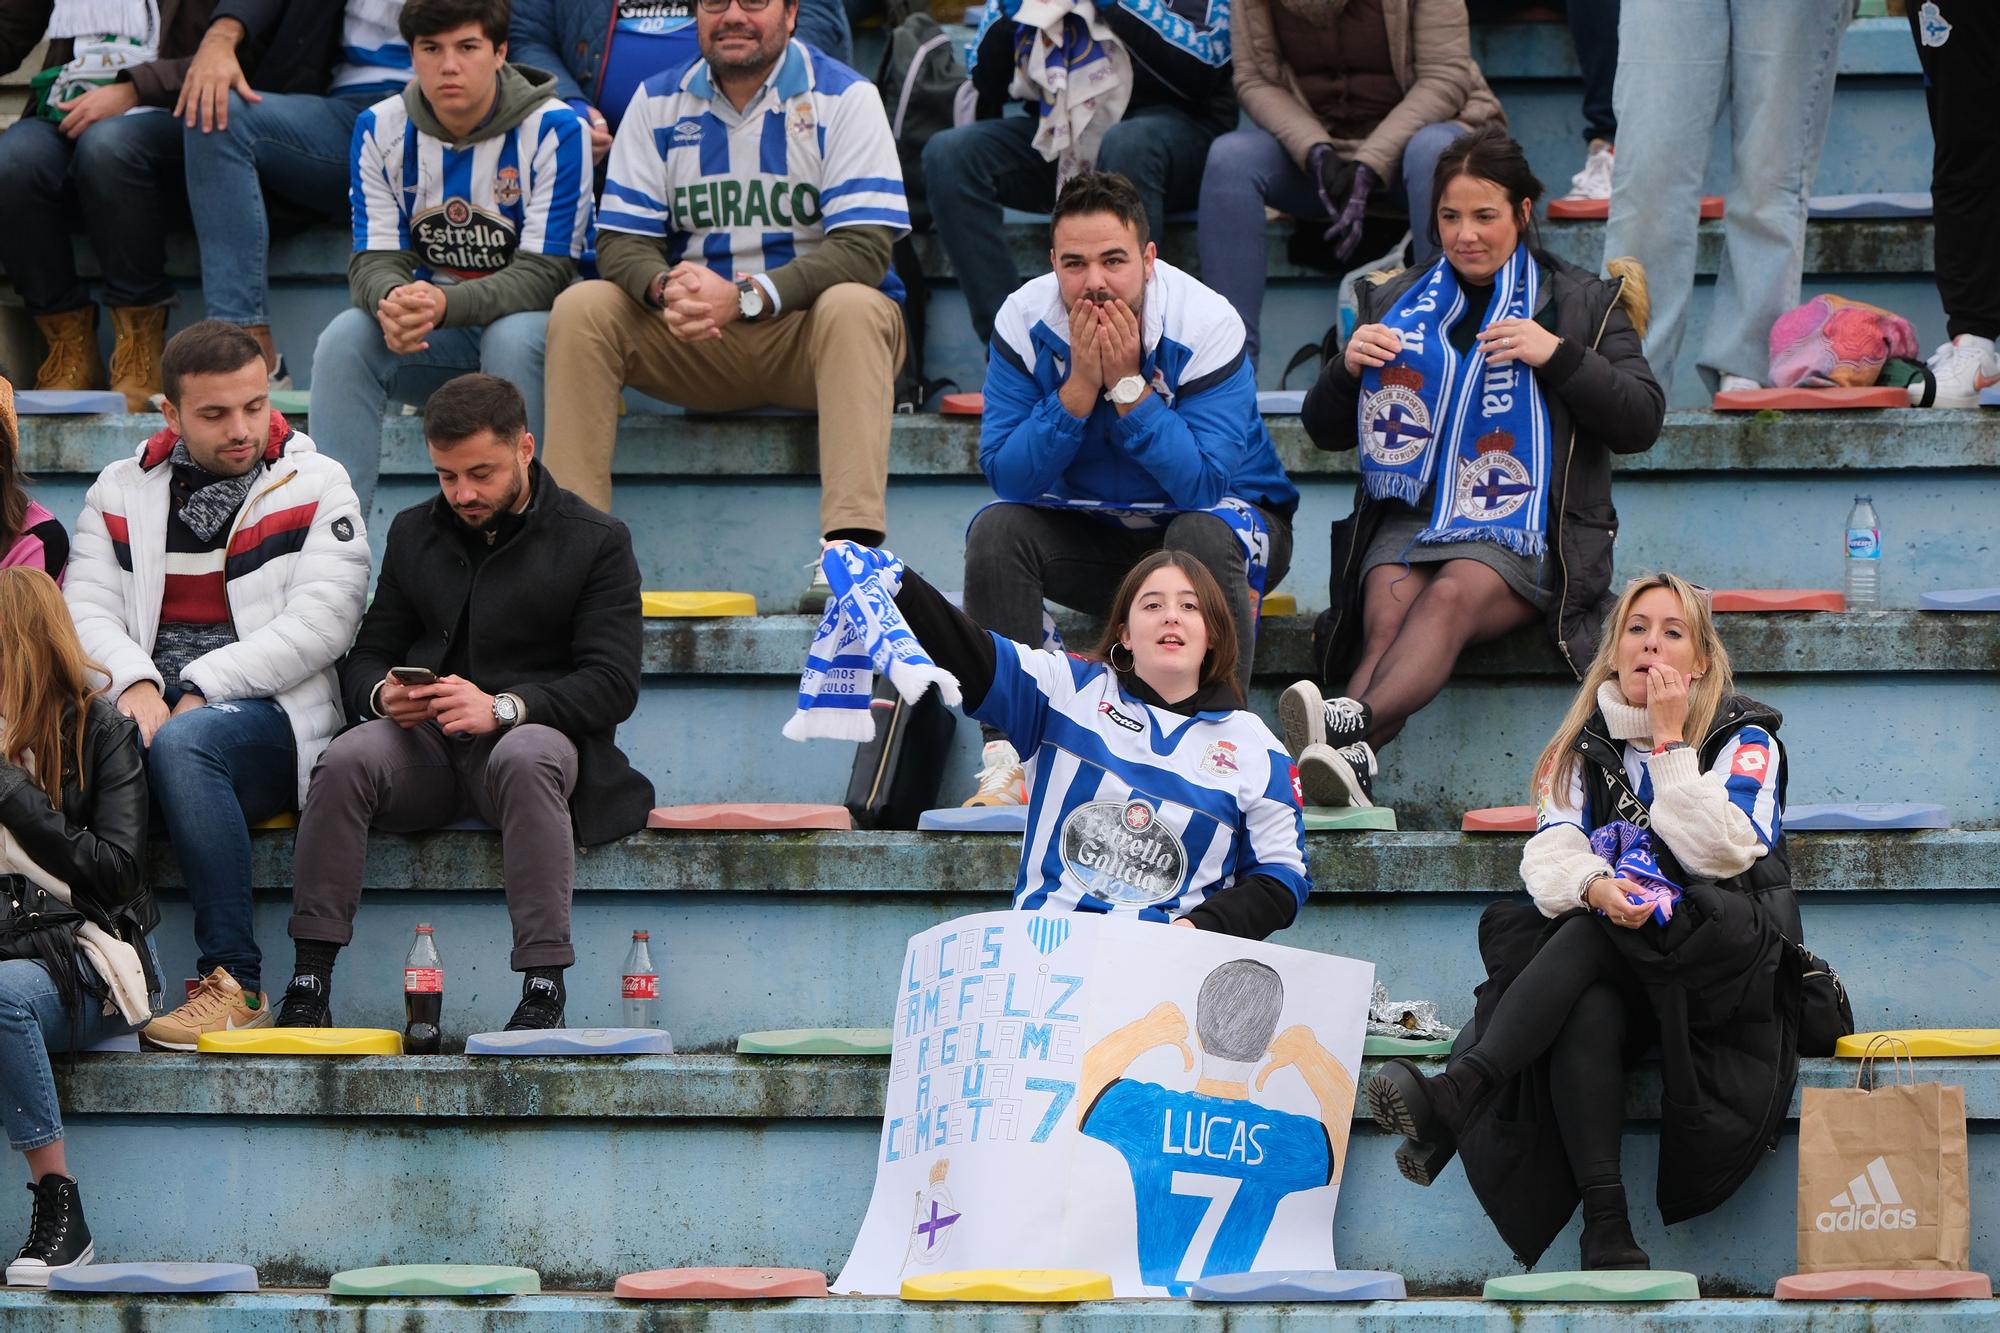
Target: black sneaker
<point x="307" y="1003"/>
<point x="1345" y="776"/>
<point x="57" y="1236"/>
<point x="541" y="1006"/>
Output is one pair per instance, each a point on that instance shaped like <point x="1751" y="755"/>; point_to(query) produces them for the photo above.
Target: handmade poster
<point x="1076" y="1091"/>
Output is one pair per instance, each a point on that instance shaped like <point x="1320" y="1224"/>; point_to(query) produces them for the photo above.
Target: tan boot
<point x="135" y="354"/>
<point x="73" y="361"/>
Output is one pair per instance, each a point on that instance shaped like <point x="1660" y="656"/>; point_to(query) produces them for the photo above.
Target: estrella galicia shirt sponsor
<point x="465" y="210"/>
<point x="1136" y="810"/>
<point x="646" y="36"/>
<point x="751" y="191"/>
<point x="1191" y="1154"/>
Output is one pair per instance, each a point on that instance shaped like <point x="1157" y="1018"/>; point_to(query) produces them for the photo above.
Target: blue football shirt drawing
<point x="1208" y="1174"/>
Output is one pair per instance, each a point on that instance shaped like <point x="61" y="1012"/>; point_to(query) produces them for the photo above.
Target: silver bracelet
<point x="1583" y="890"/>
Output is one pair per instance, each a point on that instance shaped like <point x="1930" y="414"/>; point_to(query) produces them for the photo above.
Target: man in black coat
<point x="488" y="679"/>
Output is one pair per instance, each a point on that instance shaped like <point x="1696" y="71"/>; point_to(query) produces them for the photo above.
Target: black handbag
<point x="1825" y="1015"/>
<point x="897" y="775"/>
<point x="38" y="926"/>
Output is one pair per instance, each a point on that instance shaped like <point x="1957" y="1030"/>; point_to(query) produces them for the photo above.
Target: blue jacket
<point x="1197" y="440"/>
<point x="569" y="38"/>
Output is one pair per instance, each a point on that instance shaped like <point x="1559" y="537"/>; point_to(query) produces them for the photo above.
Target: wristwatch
<point x="749" y="298"/>
<point x="1670" y="747"/>
<point x="1126" y="391"/>
<point x="506" y="710"/>
<point x="656" y="291"/>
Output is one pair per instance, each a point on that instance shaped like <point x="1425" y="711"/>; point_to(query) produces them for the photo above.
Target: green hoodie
<point x="529" y="281"/>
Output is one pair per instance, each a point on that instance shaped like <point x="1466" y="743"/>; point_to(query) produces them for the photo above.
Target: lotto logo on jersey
<point x="1298" y="789"/>
<point x="1752" y="761"/>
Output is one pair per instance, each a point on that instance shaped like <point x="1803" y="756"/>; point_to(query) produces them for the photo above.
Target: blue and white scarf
<point x="1488" y="424"/>
<point x="862" y="633"/>
<point x="1629" y="851"/>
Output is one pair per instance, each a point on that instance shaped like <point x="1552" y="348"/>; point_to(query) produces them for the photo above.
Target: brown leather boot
<point x="135" y="355"/>
<point x="73" y="361"/>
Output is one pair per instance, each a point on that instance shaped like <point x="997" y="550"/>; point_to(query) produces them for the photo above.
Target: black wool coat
<point x="552" y="615"/>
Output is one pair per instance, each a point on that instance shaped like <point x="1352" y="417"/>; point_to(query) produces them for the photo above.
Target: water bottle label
<point x="1864" y="543"/>
<point x="646" y="987"/>
<point x="423" y="981"/>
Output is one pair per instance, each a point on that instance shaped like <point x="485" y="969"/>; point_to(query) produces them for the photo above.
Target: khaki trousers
<point x="839" y="357"/>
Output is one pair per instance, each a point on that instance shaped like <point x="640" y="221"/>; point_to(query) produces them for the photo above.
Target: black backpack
<point x="920" y="80"/>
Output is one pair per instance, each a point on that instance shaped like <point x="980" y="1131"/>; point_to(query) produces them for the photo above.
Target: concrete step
<point x="703" y="1159"/>
<point x="741" y="923"/>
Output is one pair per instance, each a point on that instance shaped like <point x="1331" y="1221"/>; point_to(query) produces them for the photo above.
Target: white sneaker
<point x="1003" y="780"/>
<point x="817" y="594"/>
<point x="1594" y="181"/>
<point x="1737" y="384"/>
<point x="1963" y="367"/>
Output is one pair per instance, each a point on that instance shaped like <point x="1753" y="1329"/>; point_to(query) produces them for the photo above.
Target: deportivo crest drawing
<point x="1396" y="424"/>
<point x="1493" y="484"/>
<point x="1122" y="852"/>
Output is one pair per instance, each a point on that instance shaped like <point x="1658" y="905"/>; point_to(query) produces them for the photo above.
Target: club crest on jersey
<point x="1220" y="760"/>
<point x="1492" y="485"/>
<point x="1396" y="426"/>
<point x="507" y="187"/>
<point x="463" y="240"/>
<point x="1130" y="724"/>
<point x="1122" y="853"/>
<point x="802" y="118"/>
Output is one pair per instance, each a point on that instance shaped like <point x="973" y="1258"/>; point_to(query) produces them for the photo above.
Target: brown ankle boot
<point x="135" y="355"/>
<point x="73" y="361"/>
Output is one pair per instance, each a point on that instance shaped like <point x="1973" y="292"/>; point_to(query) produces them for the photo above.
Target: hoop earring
<point x="1131" y="662"/>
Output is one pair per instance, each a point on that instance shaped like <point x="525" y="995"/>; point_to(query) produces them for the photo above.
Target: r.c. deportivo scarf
<point x="1629" y="851"/>
<point x="1475" y="435"/>
<point x="861" y="633"/>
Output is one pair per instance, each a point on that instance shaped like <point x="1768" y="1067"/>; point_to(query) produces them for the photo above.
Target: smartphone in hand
<point x="407" y="676"/>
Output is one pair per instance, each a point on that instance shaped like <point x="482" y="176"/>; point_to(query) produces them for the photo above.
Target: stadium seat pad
<point x="302" y="1041"/>
<point x="572" y="1041"/>
<point x="1375" y="1045"/>
<point x="963" y="405"/>
<point x="1822" y="818"/>
<point x="1812" y="400"/>
<point x="975" y="819"/>
<point x="1886" y="204"/>
<point x="1961" y="599"/>
<point x="1281" y="402"/>
<point x="1608" y="1285"/>
<point x="1923" y="1043"/>
<point x="1279" y="604"/>
<point x="751" y="815"/>
<point x="678" y="605"/>
<point x="721" y="1284"/>
<point x="1010" y="1284"/>
<point x="1350" y="819"/>
<point x="1597" y="210"/>
<point x="1885" y="1284"/>
<point x="816" y="1041"/>
<point x="1777" y="599"/>
<point x="436" y="1280"/>
<point x="1499" y="819"/>
<point x="155" y="1278"/>
<point x="1360" y="1284"/>
<point x="66" y="402"/>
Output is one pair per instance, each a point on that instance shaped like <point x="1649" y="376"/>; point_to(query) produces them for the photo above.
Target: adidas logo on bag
<point x="1870" y="1202"/>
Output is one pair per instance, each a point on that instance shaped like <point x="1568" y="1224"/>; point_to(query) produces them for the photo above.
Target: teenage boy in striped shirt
<point x="471" y="203"/>
<point x="751" y="202"/>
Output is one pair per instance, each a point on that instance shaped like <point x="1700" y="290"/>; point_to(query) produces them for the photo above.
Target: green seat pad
<point x="815" y="1041"/>
<point x="1408" y="1048"/>
<point x="1350" y="818"/>
<point x="1601" y="1286"/>
<point x="292" y="402"/>
<point x="437" y="1280"/>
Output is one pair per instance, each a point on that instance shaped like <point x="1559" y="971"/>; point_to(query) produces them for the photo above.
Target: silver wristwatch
<point x="506" y="710"/>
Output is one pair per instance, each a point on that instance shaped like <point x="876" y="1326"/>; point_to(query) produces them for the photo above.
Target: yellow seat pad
<point x="676" y="604"/>
<point x="283" y="819"/>
<point x="1279" y="604"/>
<point x="1932" y="1043"/>
<point x="1010" y="1284"/>
<point x="302" y="1041"/>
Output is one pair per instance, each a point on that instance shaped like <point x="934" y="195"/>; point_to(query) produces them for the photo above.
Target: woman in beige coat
<point x="1353" y="101"/>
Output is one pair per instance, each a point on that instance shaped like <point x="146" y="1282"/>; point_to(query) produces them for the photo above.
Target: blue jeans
<point x="291" y="144"/>
<point x="213" y="772"/>
<point x="128" y="192"/>
<point x="354" y="372"/>
<point x="1680" y="62"/>
<point x="34" y="1023"/>
<point x="1248" y="168"/>
<point x="972" y="171"/>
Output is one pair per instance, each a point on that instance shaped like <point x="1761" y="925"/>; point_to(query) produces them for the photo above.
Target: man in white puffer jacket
<point x="217" y="577"/>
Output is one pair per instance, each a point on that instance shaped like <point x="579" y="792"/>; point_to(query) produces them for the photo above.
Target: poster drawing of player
<point x="1210" y="1167"/>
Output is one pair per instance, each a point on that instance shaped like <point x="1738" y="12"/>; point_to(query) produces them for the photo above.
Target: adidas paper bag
<point x="1883" y="1179"/>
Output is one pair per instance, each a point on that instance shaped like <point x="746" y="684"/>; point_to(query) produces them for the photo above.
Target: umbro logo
<point x="687" y="131"/>
<point x="1871" y="1202"/>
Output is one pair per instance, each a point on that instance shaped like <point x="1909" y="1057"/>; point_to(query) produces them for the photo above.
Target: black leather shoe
<point x="1607" y="1232"/>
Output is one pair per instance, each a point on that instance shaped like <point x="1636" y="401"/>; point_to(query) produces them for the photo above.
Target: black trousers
<point x="1960" y="54"/>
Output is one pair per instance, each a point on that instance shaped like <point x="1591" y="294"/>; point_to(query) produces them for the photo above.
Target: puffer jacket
<point x="297" y="577"/>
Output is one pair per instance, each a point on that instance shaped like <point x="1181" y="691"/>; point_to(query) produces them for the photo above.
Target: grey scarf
<point x="213" y="500"/>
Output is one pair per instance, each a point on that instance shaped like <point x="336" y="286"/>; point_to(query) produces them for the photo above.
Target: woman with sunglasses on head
<point x="1662" y="911"/>
<point x="1487" y="392"/>
<point x="76" y="965"/>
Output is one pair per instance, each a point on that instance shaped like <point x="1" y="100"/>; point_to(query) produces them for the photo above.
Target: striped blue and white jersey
<point x="751" y="191"/>
<point x="1137" y="810"/>
<point x="1747" y="767"/>
<point x="465" y="211"/>
<point x="374" y="59"/>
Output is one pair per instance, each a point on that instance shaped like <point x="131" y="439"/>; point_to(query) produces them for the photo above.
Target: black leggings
<point x="1572" y="1002"/>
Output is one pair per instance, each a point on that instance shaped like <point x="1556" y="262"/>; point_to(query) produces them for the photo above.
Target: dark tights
<point x="1415" y="621"/>
<point x="1571" y="1003"/>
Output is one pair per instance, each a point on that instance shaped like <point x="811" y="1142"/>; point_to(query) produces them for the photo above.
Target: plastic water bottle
<point x="423" y="995"/>
<point x="642" y="985"/>
<point x="1864" y="556"/>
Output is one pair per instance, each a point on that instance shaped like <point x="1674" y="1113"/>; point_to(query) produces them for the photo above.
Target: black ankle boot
<point x="1430" y="1112"/>
<point x="1607" y="1231"/>
<point x="57" y="1236"/>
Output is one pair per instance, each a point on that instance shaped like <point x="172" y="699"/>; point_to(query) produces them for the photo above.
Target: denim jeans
<point x="1680" y="63"/>
<point x="1248" y="168"/>
<point x="33" y="1023"/>
<point x="354" y="373"/>
<point x="294" y="146"/>
<point x="213" y="772"/>
<point x="972" y="171"/>
<point x="125" y="181"/>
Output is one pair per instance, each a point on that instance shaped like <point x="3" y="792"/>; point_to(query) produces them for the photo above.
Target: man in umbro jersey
<point x="749" y="208"/>
<point x="1194" y="1155"/>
